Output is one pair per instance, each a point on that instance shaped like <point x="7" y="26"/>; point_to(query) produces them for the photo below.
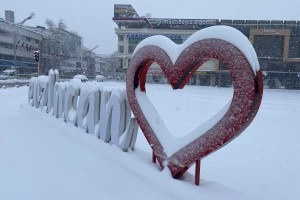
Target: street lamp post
<point x="15" y="35"/>
<point x="89" y="55"/>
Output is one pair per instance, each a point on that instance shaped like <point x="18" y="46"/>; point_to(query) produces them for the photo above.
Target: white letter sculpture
<point x="104" y="112"/>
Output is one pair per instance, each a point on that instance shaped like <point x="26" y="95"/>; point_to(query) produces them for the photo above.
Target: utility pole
<point x="18" y="26"/>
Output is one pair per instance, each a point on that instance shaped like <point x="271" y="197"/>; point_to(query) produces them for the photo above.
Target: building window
<point x="78" y="65"/>
<point x="129" y="62"/>
<point x="177" y="41"/>
<point x="121" y="38"/>
<point x="6" y="45"/>
<point x="294" y="51"/>
<point x="28" y="39"/>
<point x="121" y="49"/>
<point x="131" y="48"/>
<point x="134" y="40"/>
<point x="120" y="63"/>
<point x="125" y="64"/>
<point x="269" y="46"/>
<point x="5" y="33"/>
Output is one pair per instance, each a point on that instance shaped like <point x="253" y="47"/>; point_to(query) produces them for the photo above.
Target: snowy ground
<point x="42" y="157"/>
<point x="13" y="82"/>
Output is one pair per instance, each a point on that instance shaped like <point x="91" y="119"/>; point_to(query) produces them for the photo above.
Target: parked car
<point x="8" y="74"/>
<point x="82" y="77"/>
<point x="100" y="78"/>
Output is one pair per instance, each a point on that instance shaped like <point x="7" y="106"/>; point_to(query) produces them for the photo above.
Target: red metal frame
<point x="248" y="90"/>
<point x="197" y="169"/>
<point x="197" y="172"/>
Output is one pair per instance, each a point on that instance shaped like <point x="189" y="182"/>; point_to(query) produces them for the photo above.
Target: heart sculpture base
<point x="247" y="95"/>
<point x="197" y="168"/>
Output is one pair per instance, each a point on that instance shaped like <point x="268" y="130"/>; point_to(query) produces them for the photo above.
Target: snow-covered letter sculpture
<point x="88" y="107"/>
<point x="116" y="124"/>
<point x="179" y="62"/>
<point x="59" y="97"/>
<point x="100" y="111"/>
<point x="53" y="76"/>
<point x="71" y="98"/>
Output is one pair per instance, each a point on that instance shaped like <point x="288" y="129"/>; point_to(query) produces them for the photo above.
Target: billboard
<point x="192" y="24"/>
<point x="124" y="10"/>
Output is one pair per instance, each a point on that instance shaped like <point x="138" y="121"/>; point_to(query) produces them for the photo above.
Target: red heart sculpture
<point x="247" y="95"/>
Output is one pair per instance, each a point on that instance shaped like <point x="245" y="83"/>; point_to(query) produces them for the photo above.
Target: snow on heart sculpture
<point x="179" y="62"/>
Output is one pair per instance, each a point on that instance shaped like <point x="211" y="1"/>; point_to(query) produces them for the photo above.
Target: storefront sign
<point x="191" y="24"/>
<point x="124" y="10"/>
<point x="143" y="36"/>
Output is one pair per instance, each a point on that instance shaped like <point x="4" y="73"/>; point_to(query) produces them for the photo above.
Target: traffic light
<point x="37" y="56"/>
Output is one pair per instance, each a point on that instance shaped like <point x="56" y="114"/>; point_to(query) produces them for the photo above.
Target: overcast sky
<point x="92" y="19"/>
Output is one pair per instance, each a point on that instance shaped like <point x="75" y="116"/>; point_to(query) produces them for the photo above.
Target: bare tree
<point x="59" y="45"/>
<point x="90" y="58"/>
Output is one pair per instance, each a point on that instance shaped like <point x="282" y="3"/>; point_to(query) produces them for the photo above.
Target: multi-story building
<point x="101" y="65"/>
<point x="277" y="43"/>
<point x="17" y="44"/>
<point x="59" y="48"/>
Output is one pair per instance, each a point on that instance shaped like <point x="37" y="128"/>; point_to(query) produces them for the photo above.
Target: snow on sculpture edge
<point x="226" y="33"/>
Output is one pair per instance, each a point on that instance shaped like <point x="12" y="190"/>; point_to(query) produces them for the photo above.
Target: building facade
<point x="101" y="65"/>
<point x="277" y="43"/>
<point x="58" y="48"/>
<point x="17" y="44"/>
